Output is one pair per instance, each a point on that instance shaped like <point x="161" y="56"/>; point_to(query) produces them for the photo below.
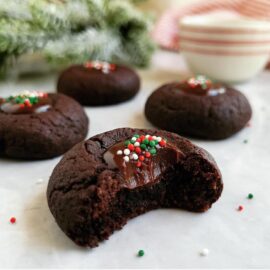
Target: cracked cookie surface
<point x="43" y="135"/>
<point x="90" y="199"/>
<point x="215" y="113"/>
<point x="93" y="87"/>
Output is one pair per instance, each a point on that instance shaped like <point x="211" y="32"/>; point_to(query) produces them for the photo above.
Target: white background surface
<point x="170" y="238"/>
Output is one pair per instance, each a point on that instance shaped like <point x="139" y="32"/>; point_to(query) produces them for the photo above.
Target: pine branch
<point x="67" y="31"/>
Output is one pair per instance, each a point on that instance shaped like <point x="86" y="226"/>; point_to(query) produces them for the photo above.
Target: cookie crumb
<point x="12" y="220"/>
<point x="140" y="253"/>
<point x="245" y="141"/>
<point x="204" y="252"/>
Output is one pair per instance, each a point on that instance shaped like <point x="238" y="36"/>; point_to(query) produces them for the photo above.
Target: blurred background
<point x="38" y="36"/>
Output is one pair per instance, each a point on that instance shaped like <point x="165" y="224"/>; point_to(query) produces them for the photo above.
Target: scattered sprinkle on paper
<point x="204" y="252"/>
<point x="250" y="196"/>
<point x="240" y="208"/>
<point x="140" y="253"/>
<point x="12" y="220"/>
<point x="245" y="141"/>
<point x="40" y="181"/>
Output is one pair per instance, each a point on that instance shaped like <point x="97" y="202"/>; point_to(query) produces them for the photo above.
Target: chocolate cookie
<point x="99" y="83"/>
<point x="36" y="125"/>
<point x="198" y="108"/>
<point x="103" y="182"/>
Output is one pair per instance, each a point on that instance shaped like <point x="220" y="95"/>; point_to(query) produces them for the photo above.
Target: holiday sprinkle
<point x="141" y="147"/>
<point x="99" y="65"/>
<point x="201" y="81"/>
<point x="25" y="98"/>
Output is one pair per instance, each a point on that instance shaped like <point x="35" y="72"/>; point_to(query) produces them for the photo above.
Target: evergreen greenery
<point x="73" y="31"/>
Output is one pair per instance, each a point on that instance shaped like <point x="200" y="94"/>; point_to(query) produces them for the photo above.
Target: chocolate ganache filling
<point x="201" y="86"/>
<point x="142" y="160"/>
<point x="26" y="103"/>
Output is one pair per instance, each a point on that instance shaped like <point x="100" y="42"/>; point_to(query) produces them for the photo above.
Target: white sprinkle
<point x="159" y="139"/>
<point x="134" y="139"/>
<point x="147" y="136"/>
<point x="105" y="71"/>
<point x="154" y="137"/>
<point x="39" y="181"/>
<point x="135" y="156"/>
<point x="119" y="152"/>
<point x="204" y="252"/>
<point x="126" y="158"/>
<point x="42" y="109"/>
<point x="126" y="152"/>
<point x="136" y="144"/>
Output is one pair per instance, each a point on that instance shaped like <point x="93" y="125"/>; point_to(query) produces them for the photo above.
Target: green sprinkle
<point x="153" y="151"/>
<point x="143" y="146"/>
<point x="245" y="141"/>
<point x="146" y="141"/>
<point x="136" y="136"/>
<point x="127" y="143"/>
<point x="152" y="143"/>
<point x="19" y="100"/>
<point x="33" y="100"/>
<point x="140" y="253"/>
<point x="250" y="196"/>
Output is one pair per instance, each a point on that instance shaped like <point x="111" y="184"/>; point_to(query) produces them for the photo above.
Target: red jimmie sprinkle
<point x="240" y="208"/>
<point x="141" y="158"/>
<point x="12" y="220"/>
<point x="162" y="143"/>
<point x="27" y="103"/>
<point x="138" y="164"/>
<point x="147" y="154"/>
<point x="131" y="147"/>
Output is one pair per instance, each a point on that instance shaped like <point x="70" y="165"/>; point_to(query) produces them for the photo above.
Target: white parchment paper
<point x="170" y="238"/>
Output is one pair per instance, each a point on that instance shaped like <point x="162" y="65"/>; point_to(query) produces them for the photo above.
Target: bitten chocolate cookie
<point x="35" y="125"/>
<point x="103" y="182"/>
<point x="198" y="108"/>
<point x="99" y="83"/>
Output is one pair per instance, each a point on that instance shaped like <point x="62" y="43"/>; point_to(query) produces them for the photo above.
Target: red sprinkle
<point x="88" y="65"/>
<point x="113" y="67"/>
<point x="147" y="154"/>
<point x="131" y="147"/>
<point x="142" y="137"/>
<point x="141" y="158"/>
<point x="240" y="208"/>
<point x="162" y="143"/>
<point x="150" y="138"/>
<point x="139" y="140"/>
<point x="138" y="150"/>
<point x="22" y="106"/>
<point x="27" y="103"/>
<point x="12" y="220"/>
<point x="139" y="164"/>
